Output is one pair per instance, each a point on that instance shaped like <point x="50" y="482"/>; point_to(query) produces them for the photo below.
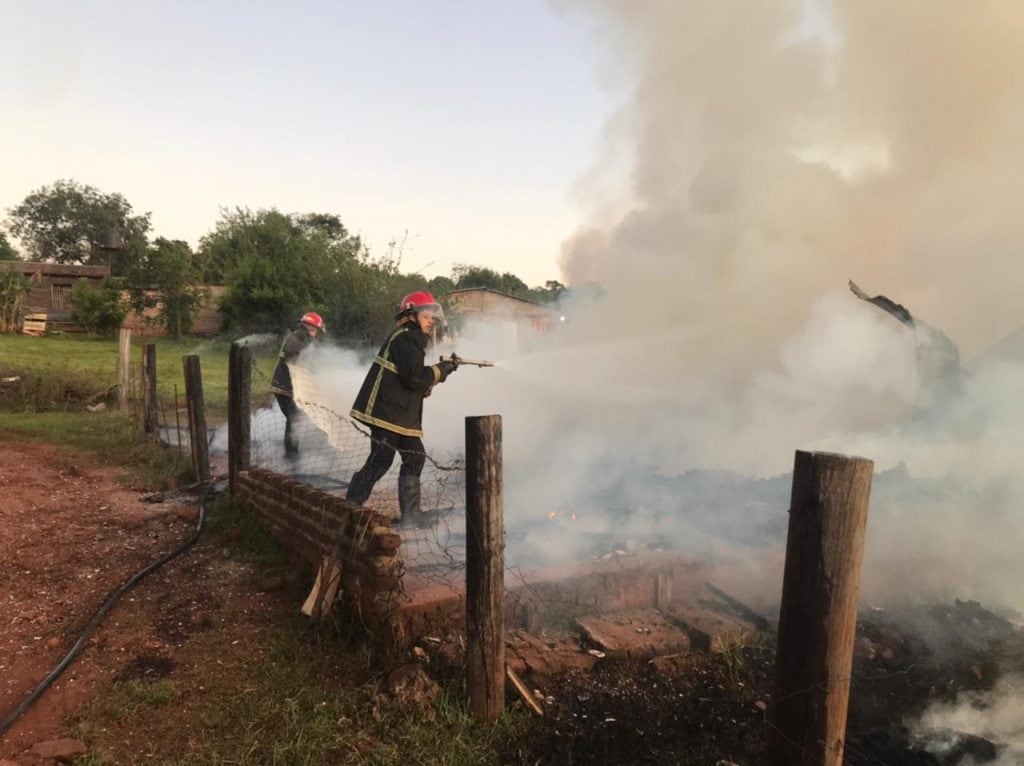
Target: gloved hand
<point x="447" y="367"/>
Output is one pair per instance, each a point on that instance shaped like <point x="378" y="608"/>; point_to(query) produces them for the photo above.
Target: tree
<point x="440" y="286"/>
<point x="7" y="252"/>
<point x="465" y="276"/>
<point x="13" y="287"/>
<point x="278" y="266"/>
<point x="102" y="310"/>
<point x="171" y="265"/>
<point x="64" y="223"/>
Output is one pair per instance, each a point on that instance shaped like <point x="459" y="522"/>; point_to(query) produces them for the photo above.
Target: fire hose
<point x="458" y="360"/>
<point x="8" y="720"/>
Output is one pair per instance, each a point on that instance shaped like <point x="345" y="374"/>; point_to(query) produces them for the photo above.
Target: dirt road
<point x="69" y="534"/>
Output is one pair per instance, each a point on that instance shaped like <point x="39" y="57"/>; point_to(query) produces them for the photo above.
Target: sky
<point x="456" y="127"/>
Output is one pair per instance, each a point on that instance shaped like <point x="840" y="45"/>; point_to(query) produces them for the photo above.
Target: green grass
<point x="239" y="523"/>
<point x="279" y="709"/>
<point x="63" y="373"/>
<point x="128" y="697"/>
<point x="112" y="436"/>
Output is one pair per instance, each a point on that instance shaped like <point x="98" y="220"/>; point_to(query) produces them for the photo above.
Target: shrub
<point x="102" y="310"/>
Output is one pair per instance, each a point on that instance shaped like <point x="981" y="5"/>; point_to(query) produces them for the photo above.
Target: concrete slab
<point x="709" y="631"/>
<point x="638" y="633"/>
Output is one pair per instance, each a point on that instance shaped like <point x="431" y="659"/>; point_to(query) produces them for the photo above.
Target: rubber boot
<point x="358" y="488"/>
<point x="291" y="444"/>
<point x="409" y="499"/>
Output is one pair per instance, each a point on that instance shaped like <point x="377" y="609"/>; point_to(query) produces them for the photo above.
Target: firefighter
<point x="294" y="344"/>
<point x="390" y="402"/>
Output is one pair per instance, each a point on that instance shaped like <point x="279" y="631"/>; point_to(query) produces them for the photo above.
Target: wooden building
<point x="516" y="324"/>
<point x="48" y="301"/>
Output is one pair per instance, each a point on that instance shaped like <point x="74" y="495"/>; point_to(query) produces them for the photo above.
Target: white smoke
<point x="773" y="158"/>
<point x="997" y="716"/>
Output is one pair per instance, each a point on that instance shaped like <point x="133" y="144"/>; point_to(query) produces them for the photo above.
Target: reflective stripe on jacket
<point x="392" y="394"/>
<point x="294" y="344"/>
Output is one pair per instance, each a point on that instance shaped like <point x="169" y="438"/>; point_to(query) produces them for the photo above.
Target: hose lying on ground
<point x="9" y="719"/>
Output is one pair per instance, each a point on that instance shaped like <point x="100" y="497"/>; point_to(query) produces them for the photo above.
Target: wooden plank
<point x="34" y="324"/>
<point x="320" y="600"/>
<point x="523" y="692"/>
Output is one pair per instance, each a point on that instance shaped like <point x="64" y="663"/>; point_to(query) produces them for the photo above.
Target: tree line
<point x="274" y="266"/>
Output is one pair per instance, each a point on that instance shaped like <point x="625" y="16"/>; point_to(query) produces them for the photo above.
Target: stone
<point x="59" y="749"/>
<point x="410" y="685"/>
<point x="673" y="664"/>
<point x="864" y="648"/>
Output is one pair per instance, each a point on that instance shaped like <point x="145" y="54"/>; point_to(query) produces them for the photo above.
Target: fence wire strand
<point x="332" y="446"/>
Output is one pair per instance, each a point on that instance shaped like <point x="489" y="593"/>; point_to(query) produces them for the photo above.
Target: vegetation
<point x="66" y="373"/>
<point x="276" y="266"/>
<point x="112" y="436"/>
<point x="13" y="287"/>
<point x="99" y="311"/>
<point x="173" y="269"/>
<point x="289" y="715"/>
<point x="67" y="222"/>
<point x="465" y="277"/>
<point x="290" y="694"/>
<point x="7" y="251"/>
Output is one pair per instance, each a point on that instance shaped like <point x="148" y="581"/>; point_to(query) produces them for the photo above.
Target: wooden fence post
<point x="124" y="349"/>
<point x="485" y="569"/>
<point x="196" y="416"/>
<point x="817" y="623"/>
<point x="239" y="411"/>
<point x="150" y="406"/>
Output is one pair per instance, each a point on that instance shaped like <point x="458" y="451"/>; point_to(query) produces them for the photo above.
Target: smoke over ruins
<point x="801" y="236"/>
<point x="776" y="150"/>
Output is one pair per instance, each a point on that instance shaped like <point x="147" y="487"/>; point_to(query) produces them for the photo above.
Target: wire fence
<point x="325" y="448"/>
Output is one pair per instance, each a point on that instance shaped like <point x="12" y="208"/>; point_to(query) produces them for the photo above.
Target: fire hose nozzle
<point x="458" y="360"/>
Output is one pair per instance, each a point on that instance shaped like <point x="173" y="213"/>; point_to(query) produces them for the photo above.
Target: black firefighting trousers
<point x="382" y="454"/>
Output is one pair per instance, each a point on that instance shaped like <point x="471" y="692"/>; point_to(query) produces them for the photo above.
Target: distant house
<point x="48" y="300"/>
<point x="516" y="324"/>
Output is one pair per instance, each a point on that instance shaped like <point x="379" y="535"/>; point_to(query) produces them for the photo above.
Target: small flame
<point x="574" y="517"/>
<point x="552" y="514"/>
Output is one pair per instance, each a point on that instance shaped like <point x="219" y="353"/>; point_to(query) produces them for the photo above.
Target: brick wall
<point x="314" y="524"/>
<point x="205" y="321"/>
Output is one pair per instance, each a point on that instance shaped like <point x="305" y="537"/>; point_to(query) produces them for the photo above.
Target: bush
<point x="13" y="287"/>
<point x="101" y="311"/>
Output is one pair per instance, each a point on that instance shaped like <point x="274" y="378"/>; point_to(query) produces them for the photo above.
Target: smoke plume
<point x="777" y="149"/>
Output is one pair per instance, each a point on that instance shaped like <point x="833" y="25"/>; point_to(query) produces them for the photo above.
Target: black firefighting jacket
<point x="392" y="394"/>
<point x="294" y="344"/>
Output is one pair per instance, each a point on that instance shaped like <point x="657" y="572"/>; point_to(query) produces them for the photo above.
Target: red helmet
<point x="314" y="320"/>
<point x="420" y="301"/>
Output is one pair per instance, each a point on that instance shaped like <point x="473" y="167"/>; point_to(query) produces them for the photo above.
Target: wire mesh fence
<point x="324" y="449"/>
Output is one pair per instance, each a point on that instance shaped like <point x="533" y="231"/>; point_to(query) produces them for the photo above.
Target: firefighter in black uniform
<point x="390" y="402"/>
<point x="294" y="344"/>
